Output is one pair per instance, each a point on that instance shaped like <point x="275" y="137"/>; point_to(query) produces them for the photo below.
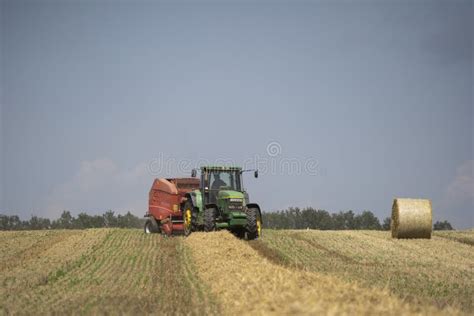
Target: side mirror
<point x="193" y="173"/>
<point x="255" y="174"/>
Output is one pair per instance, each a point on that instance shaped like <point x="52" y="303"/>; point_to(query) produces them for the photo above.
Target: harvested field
<point x="233" y="269"/>
<point x="466" y="237"/>
<point x="19" y="247"/>
<point x="103" y="271"/>
<point x="437" y="271"/>
<point x="123" y="271"/>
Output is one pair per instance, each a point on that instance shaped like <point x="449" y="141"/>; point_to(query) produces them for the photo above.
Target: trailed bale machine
<point x="165" y="202"/>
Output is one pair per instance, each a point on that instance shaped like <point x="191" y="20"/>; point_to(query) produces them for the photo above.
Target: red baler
<point x="165" y="204"/>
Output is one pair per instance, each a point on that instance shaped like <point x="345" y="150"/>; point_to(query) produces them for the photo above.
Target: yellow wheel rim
<point x="187" y="218"/>
<point x="259" y="227"/>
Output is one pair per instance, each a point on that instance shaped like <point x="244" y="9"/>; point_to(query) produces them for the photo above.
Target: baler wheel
<point x="151" y="226"/>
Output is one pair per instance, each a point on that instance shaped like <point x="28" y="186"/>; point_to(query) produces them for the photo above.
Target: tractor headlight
<point x="235" y="200"/>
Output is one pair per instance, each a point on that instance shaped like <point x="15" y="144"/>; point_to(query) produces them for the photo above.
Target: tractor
<point x="179" y="206"/>
<point x="221" y="203"/>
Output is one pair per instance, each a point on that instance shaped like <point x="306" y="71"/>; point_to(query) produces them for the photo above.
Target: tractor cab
<point x="218" y="183"/>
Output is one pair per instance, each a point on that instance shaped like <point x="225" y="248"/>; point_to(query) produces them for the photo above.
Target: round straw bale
<point x="411" y="218"/>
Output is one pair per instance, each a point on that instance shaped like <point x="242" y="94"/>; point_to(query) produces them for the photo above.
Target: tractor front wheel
<point x="254" y="224"/>
<point x="187" y="218"/>
<point x="210" y="219"/>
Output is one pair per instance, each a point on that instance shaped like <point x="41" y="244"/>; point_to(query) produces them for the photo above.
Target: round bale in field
<point x="411" y="218"/>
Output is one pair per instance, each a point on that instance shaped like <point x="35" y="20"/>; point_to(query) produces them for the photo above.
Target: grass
<point x="438" y="271"/>
<point x="123" y="271"/>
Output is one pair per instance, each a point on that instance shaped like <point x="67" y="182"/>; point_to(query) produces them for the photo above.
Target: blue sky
<point x="378" y="94"/>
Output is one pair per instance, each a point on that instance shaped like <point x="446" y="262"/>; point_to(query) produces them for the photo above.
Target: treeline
<point x="296" y="218"/>
<point x="310" y="218"/>
<point x="67" y="221"/>
<point x="292" y="218"/>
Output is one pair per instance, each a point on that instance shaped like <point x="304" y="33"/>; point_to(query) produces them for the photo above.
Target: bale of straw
<point x="411" y="218"/>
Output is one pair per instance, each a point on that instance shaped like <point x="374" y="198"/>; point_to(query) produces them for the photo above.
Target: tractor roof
<point x="221" y="168"/>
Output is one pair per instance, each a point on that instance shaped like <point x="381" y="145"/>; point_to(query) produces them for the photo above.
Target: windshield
<point x="224" y="180"/>
<point x="215" y="180"/>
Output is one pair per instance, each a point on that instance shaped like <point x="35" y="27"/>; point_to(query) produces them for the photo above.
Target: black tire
<point x="151" y="226"/>
<point x="188" y="229"/>
<point x="239" y="233"/>
<point x="210" y="219"/>
<point x="194" y="221"/>
<point x="252" y="227"/>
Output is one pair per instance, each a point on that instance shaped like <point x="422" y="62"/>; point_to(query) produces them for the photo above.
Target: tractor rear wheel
<point x="151" y="226"/>
<point x="210" y="219"/>
<point x="254" y="224"/>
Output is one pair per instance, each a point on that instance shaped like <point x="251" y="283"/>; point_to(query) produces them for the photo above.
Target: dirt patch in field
<point x="247" y="283"/>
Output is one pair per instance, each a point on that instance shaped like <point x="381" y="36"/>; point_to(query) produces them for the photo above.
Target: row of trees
<point x="292" y="218"/>
<point x="295" y="218"/>
<point x="67" y="221"/>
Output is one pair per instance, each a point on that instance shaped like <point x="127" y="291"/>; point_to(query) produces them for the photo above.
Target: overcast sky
<point x="370" y="100"/>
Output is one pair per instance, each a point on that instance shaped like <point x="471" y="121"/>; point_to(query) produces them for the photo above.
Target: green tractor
<point x="222" y="203"/>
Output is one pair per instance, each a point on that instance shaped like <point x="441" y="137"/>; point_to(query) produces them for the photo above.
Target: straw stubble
<point x="246" y="283"/>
